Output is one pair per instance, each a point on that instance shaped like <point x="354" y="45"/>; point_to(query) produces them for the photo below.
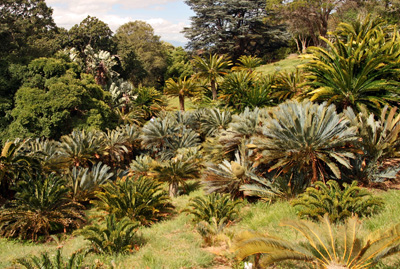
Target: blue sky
<point x="167" y="17"/>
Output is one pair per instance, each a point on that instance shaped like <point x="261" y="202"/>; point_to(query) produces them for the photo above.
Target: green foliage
<point x="13" y="163"/>
<point x="80" y="148"/>
<point x="44" y="261"/>
<point x="85" y="182"/>
<point x="231" y="27"/>
<point x="119" y="235"/>
<point x="306" y="137"/>
<point x="338" y="203"/>
<point x="27" y="30"/>
<point x="141" y="199"/>
<point x="149" y="101"/>
<point x="214" y="120"/>
<point x="288" y="85"/>
<point x="359" y="68"/>
<point x="247" y="63"/>
<point x="54" y="106"/>
<point x="176" y="171"/>
<point x="143" y="56"/>
<point x="211" y="68"/>
<point x="179" y="65"/>
<point x="91" y="31"/>
<point x="41" y="206"/>
<point x="214" y="207"/>
<point x="323" y="247"/>
<point x="186" y="87"/>
<point x="379" y="142"/>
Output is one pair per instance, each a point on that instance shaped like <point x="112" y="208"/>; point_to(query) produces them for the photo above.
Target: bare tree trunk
<point x="214" y="89"/>
<point x="173" y="189"/>
<point x="182" y="102"/>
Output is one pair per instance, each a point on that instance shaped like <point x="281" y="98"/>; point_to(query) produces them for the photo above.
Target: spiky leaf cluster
<point x="41" y="206"/>
<point x="338" y="203"/>
<point x="143" y="200"/>
<point x="44" y="261"/>
<point x="323" y="246"/>
<point x="118" y="236"/>
<point x="214" y="208"/>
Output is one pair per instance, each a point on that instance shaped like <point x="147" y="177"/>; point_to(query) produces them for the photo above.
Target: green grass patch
<point x="289" y="64"/>
<point x="175" y="243"/>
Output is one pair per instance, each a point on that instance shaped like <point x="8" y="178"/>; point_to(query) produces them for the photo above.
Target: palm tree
<point x="323" y="247"/>
<point x="247" y="63"/>
<point x="186" y="87"/>
<point x="307" y="137"/>
<point x="113" y="145"/>
<point x="176" y="171"/>
<point x="211" y="68"/>
<point x="359" y="68"/>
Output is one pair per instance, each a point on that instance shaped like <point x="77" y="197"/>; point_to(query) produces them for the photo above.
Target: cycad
<point x="288" y="85"/>
<point x="186" y="87"/>
<point x="41" y="206"/>
<point x="47" y="152"/>
<point x="85" y="181"/>
<point x="213" y="121"/>
<point x="119" y="235"/>
<point x="113" y="145"/>
<point x="323" y="247"/>
<point x="176" y="171"/>
<point x="379" y="143"/>
<point x="359" y="68"/>
<point x="339" y="204"/>
<point x="248" y="63"/>
<point x="80" y="148"/>
<point x="214" y="207"/>
<point x="45" y="261"/>
<point x="308" y="137"/>
<point x="141" y="199"/>
<point x="211" y="68"/>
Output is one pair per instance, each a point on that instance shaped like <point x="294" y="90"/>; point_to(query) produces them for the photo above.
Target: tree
<point x="141" y="52"/>
<point x="211" y="68"/>
<point x="182" y="88"/>
<point x="26" y="29"/>
<point x="179" y="65"/>
<point x="305" y="18"/>
<point x="55" y="99"/>
<point x="232" y="27"/>
<point x="91" y="31"/>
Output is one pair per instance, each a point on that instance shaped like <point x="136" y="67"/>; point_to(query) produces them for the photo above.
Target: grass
<point x="289" y="64"/>
<point x="174" y="243"/>
<point x="173" y="103"/>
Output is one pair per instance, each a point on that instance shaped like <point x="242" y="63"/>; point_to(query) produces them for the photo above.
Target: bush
<point x="214" y="208"/>
<point x="41" y="206"/>
<point x="141" y="199"/>
<point x="116" y="237"/>
<point x="337" y="203"/>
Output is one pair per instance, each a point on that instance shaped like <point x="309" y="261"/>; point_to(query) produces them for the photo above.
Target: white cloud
<point x="67" y="14"/>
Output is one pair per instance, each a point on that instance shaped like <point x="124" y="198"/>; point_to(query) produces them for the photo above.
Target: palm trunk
<point x="182" y="102"/>
<point x="173" y="189"/>
<point x="314" y="169"/>
<point x="214" y="89"/>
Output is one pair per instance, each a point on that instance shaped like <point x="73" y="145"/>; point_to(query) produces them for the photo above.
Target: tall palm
<point x="359" y="67"/>
<point x="186" y="87"/>
<point x="211" y="68"/>
<point x="307" y="137"/>
<point x="323" y="246"/>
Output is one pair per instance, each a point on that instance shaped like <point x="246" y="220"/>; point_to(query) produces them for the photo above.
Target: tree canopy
<point x="233" y="27"/>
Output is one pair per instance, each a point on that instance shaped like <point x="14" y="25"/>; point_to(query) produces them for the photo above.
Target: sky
<point x="167" y="17"/>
